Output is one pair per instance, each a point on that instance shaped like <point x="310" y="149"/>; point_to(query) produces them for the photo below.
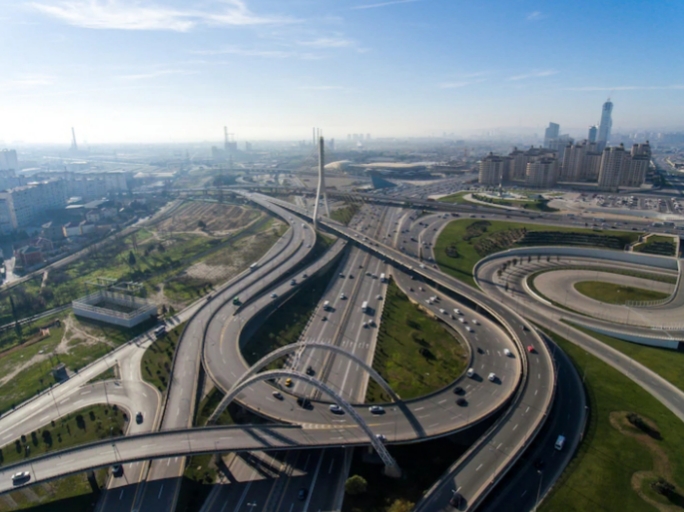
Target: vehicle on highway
<point x="310" y="370"/>
<point x="461" y="401"/>
<point x="461" y="319"/>
<point x="470" y="372"/>
<point x="139" y="418"/>
<point x="458" y="390"/>
<point x="326" y="305"/>
<point x="560" y="442"/>
<point x="376" y="409"/>
<point x="302" y="494"/>
<point x="364" y="306"/>
<point x="160" y="331"/>
<point x="343" y="296"/>
<point x="288" y="382"/>
<point x="381" y="438"/>
<point x="474" y="320"/>
<point x="336" y="409"/>
<point x="378" y="297"/>
<point x="492" y="377"/>
<point x="341" y="275"/>
<point x="305" y="275"/>
<point x="530" y="349"/>
<point x="365" y="324"/>
<point x="274" y="295"/>
<point x="117" y="470"/>
<point x="456" y="500"/>
<point x="507" y="352"/>
<point x="278" y="395"/>
<point x="457" y="311"/>
<point x="253" y="266"/>
<point x="21" y="478"/>
<point x="293" y="282"/>
<point x="236" y="301"/>
<point x="443" y="311"/>
<point x="468" y="328"/>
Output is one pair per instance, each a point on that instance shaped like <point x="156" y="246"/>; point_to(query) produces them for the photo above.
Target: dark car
<point x="458" y="390"/>
<point x="456" y="500"/>
<point x="462" y="402"/>
<point x="304" y="403"/>
<point x="303" y="493"/>
<point x="139" y="418"/>
<point x="117" y="470"/>
<point x="310" y="370"/>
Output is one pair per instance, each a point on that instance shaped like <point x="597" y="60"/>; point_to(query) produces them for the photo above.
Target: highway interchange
<point x="390" y="240"/>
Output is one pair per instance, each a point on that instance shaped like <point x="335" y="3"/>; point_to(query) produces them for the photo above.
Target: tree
<point x="355" y="484"/>
<point x="662" y="486"/>
<point x="131" y="258"/>
<point x="401" y="505"/>
<point x="17" y="325"/>
<point x="201" y="224"/>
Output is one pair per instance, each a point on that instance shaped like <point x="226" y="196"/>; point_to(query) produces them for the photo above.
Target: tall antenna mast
<point x="74" y="146"/>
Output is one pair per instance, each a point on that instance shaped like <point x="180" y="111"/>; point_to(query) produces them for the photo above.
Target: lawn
<point x="463" y="242"/>
<point x="456" y="198"/>
<point x="612" y="293"/>
<point x="415" y="353"/>
<point x="83" y="426"/>
<point x="665" y="362"/>
<point x="538" y="205"/>
<point x="156" y="362"/>
<point x="109" y="374"/>
<point x="345" y="214"/>
<point x="600" y="475"/>
<point x="658" y="244"/>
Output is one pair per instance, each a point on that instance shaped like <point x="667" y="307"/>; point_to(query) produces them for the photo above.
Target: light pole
<point x="536" y="504"/>
<point x="252" y="505"/>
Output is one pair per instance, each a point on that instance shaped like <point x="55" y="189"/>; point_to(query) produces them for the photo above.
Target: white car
<point x="461" y="319"/>
<point x="468" y="328"/>
<point x="343" y="296"/>
<point x="470" y="372"/>
<point x="365" y="325"/>
<point x="442" y="311"/>
<point x="507" y="352"/>
<point x="21" y="477"/>
<point x="492" y="377"/>
<point x="376" y="409"/>
<point x="457" y="311"/>
<point x="474" y="320"/>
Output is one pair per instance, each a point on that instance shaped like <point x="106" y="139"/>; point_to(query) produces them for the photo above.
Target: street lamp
<point x="536" y="504"/>
<point x="252" y="505"/>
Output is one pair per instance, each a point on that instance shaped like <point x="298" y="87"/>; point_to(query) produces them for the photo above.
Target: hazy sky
<point x="171" y="70"/>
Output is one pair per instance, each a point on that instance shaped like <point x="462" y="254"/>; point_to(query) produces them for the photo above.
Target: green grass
<point x="156" y="362"/>
<point x="345" y="214"/>
<point x="415" y="353"/>
<point x="665" y="362"/>
<point x="108" y="374"/>
<point x="74" y="491"/>
<point x="456" y="198"/>
<point x="538" y="205"/>
<point x="458" y="248"/>
<point x="658" y="244"/>
<point x="599" y="476"/>
<point x="612" y="293"/>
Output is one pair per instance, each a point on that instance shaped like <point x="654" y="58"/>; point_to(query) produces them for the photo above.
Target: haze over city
<point x="123" y="71"/>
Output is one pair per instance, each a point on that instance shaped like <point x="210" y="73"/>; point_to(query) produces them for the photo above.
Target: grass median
<point x="416" y="354"/>
<point x="619" y="460"/>
<point x="158" y="358"/>
<point x="462" y="243"/>
<point x="73" y="493"/>
<point x="612" y="293"/>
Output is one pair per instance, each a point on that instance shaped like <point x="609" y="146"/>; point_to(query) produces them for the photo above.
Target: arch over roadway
<point x="391" y="466"/>
<point x="280" y="352"/>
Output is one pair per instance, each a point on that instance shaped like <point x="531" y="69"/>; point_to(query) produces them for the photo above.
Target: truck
<point x="364" y="306"/>
<point x="383" y="278"/>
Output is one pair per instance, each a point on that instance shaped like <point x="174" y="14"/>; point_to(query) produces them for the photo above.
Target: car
<point x="371" y="323"/>
<point x="443" y="311"/>
<point x="21" y="477"/>
<point x="468" y="328"/>
<point x="456" y="500"/>
<point x="458" y="390"/>
<point x="278" y="395"/>
<point x="560" y="442"/>
<point x="310" y="370"/>
<point x="324" y="319"/>
<point x="530" y="349"/>
<point x="293" y="282"/>
<point x="304" y="403"/>
<point x="117" y="470"/>
<point x="288" y="382"/>
<point x="274" y="295"/>
<point x="474" y="320"/>
<point x="303" y="493"/>
<point x="457" y="311"/>
<point x="139" y="418"/>
<point x="461" y="401"/>
<point x="336" y="409"/>
<point x="492" y="377"/>
<point x="461" y="319"/>
<point x="508" y="353"/>
<point x="341" y="275"/>
<point x="470" y="372"/>
<point x="351" y="276"/>
<point x="376" y="409"/>
<point x="305" y="275"/>
<point x="378" y="297"/>
<point x="524" y="327"/>
<point x="365" y="325"/>
<point x="381" y="438"/>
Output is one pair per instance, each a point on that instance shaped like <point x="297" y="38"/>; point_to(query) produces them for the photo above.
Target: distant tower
<point x="593" y="132"/>
<point x="551" y="133"/>
<point x="321" y="183"/>
<point x="605" y="125"/>
<point x="74" y="146"/>
<point x="225" y="138"/>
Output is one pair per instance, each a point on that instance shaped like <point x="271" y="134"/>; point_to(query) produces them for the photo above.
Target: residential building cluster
<point x="563" y="160"/>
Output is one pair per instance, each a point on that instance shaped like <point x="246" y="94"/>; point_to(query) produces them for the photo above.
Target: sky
<point x="176" y="71"/>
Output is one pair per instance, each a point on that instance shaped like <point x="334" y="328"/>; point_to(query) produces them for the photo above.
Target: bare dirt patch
<point x="218" y="219"/>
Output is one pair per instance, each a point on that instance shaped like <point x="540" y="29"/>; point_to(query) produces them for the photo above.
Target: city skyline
<point x="119" y="72"/>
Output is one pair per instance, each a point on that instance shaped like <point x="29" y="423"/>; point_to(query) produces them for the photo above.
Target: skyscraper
<point x="491" y="170"/>
<point x="551" y="133"/>
<point x="605" y="126"/>
<point x="613" y="165"/>
<point x="593" y="131"/>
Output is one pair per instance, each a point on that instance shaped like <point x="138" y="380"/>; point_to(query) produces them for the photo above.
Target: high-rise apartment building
<point x="491" y="170"/>
<point x="542" y="172"/>
<point x="613" y="164"/>
<point x="517" y="161"/>
<point x="605" y="126"/>
<point x="575" y="162"/>
<point x="551" y="133"/>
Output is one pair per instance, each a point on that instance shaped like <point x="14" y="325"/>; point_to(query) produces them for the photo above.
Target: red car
<point x="530" y="349"/>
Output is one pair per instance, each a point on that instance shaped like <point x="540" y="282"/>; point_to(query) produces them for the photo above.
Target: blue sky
<point x="167" y="70"/>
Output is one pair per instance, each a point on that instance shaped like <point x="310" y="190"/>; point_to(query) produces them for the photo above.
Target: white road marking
<point x="478" y="467"/>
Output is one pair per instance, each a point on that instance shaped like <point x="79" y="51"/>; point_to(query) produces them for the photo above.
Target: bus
<point x="364" y="306"/>
<point x="236" y="301"/>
